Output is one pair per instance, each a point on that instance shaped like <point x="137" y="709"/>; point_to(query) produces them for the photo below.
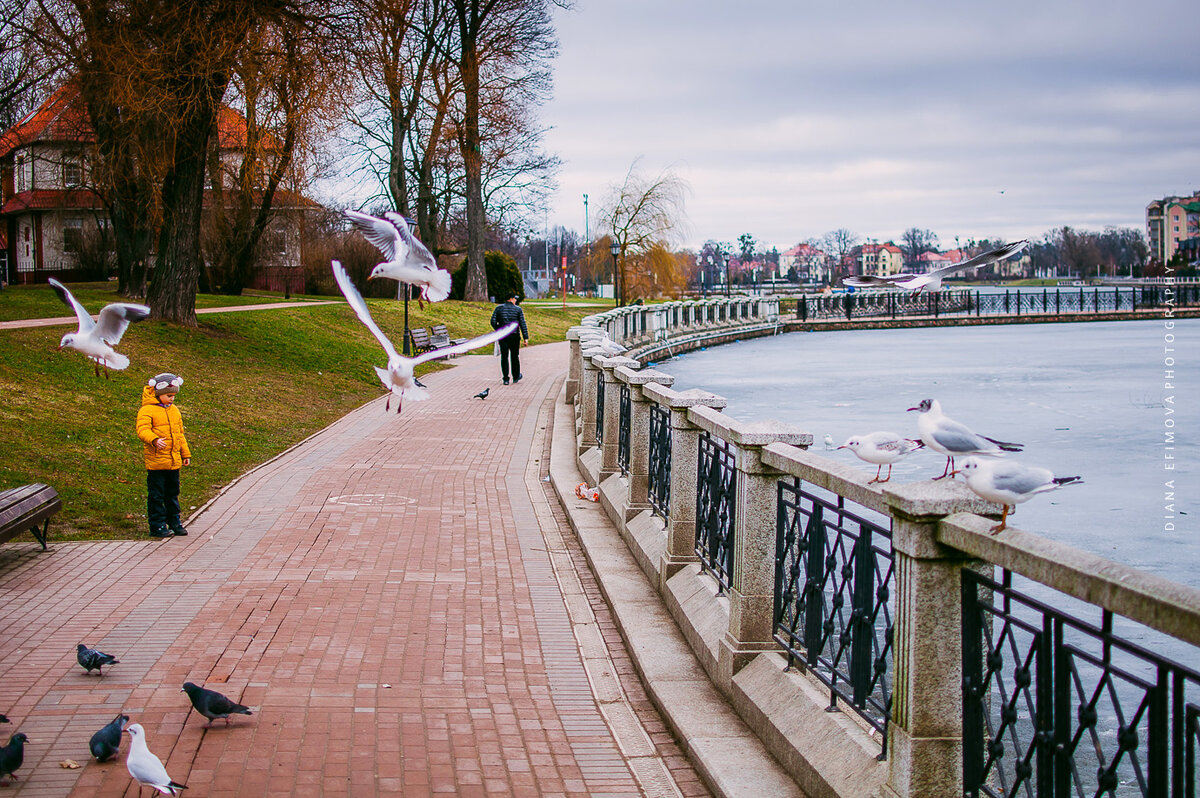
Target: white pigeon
<point x="945" y="435"/>
<point x="932" y="279"/>
<point x="145" y="767"/>
<point x="407" y="259"/>
<point x="97" y="339"/>
<point x="398" y="376"/>
<point x="1010" y="483"/>
<point x="882" y="449"/>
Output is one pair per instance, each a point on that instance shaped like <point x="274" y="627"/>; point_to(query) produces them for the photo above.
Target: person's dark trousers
<point x="510" y="356"/>
<point x="162" y="500"/>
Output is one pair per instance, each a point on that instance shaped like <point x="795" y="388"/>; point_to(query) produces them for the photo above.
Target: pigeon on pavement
<point x="880" y="449"/>
<point x="145" y="767"/>
<point x="398" y="376"/>
<point x="97" y="339"/>
<point x="482" y="394"/>
<point x="212" y="704"/>
<point x="1009" y="483"/>
<point x="4" y="718"/>
<point x="106" y="742"/>
<point x="946" y="436"/>
<point x="407" y="259"/>
<point x="91" y="658"/>
<point x="932" y="279"/>
<point x="12" y="755"/>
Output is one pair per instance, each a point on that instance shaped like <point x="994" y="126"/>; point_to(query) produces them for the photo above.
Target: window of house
<point x="72" y="171"/>
<point x="72" y="236"/>
<point x="24" y="170"/>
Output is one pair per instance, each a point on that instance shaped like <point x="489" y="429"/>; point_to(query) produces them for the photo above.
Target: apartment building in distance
<point x="1170" y="222"/>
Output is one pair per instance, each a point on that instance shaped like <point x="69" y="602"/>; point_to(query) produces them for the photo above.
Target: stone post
<point x="639" y="434"/>
<point x="685" y="447"/>
<point x="574" y="363"/>
<point x="589" y="377"/>
<point x="612" y="411"/>
<point x="925" y="734"/>
<point x="752" y="583"/>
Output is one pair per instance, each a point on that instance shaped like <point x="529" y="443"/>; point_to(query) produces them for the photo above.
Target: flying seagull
<point x="406" y="258"/>
<point x="482" y="394"/>
<point x="212" y="704"/>
<point x="398" y="376"/>
<point x="93" y="659"/>
<point x="12" y="756"/>
<point x="1009" y="483"/>
<point x="945" y="435"/>
<point x="881" y="448"/>
<point x="106" y="742"/>
<point x="145" y="767"/>
<point x="932" y="279"/>
<point x="97" y="339"/>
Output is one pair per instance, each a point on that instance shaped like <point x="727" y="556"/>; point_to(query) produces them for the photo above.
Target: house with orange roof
<point x="52" y="214"/>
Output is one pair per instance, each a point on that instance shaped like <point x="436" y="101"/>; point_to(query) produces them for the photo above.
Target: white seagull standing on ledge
<point x="880" y="449"/>
<point x="945" y="435"/>
<point x="407" y="259"/>
<point x="932" y="279"/>
<point x="1008" y="483"/>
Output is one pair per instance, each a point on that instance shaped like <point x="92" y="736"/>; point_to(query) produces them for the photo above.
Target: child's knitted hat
<point x="165" y="383"/>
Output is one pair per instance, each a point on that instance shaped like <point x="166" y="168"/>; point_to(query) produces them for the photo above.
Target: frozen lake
<point x="1100" y="400"/>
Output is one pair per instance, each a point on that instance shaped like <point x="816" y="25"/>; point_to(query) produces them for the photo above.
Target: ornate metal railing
<point x="623" y="422"/>
<point x="1054" y="705"/>
<point x="716" y="506"/>
<point x="833" y="586"/>
<point x="659" y="478"/>
<point x="600" y="411"/>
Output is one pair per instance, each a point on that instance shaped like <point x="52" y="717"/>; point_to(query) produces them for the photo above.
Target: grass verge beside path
<point x="254" y="384"/>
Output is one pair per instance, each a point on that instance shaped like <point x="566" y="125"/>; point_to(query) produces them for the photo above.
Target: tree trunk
<point x="476" y="288"/>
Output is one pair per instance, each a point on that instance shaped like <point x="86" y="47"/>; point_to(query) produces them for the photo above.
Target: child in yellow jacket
<point x="160" y="426"/>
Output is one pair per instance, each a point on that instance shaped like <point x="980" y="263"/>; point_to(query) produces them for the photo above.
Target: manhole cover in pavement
<point x="371" y="500"/>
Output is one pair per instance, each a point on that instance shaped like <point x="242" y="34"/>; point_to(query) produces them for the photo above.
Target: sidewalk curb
<point x="730" y="759"/>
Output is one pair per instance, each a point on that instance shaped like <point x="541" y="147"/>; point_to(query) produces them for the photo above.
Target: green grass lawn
<point x="255" y="383"/>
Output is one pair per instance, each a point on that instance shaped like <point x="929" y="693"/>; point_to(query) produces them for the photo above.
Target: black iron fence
<point x="600" y="411"/>
<point x="623" y="422"/>
<point x="659" y="478"/>
<point x="1054" y="705"/>
<point x="833" y="597"/>
<point x="1016" y="302"/>
<point x="716" y="507"/>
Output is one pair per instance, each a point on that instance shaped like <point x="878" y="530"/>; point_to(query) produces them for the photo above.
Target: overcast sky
<point x="790" y="119"/>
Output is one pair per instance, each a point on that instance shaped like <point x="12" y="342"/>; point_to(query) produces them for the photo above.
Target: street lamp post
<point x="615" y="249"/>
<point x="726" y="275"/>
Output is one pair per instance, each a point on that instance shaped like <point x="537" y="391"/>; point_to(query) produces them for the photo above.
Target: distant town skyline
<point x="790" y="120"/>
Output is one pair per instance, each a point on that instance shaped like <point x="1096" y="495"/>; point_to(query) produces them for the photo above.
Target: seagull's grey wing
<point x="984" y="258"/>
<point x="1021" y="480"/>
<point x="380" y="232"/>
<point x="955" y="437"/>
<point x="417" y="252"/>
<point x="85" y="318"/>
<point x="865" y="281"/>
<point x="360" y="308"/>
<point x="116" y="318"/>
<point x="467" y="346"/>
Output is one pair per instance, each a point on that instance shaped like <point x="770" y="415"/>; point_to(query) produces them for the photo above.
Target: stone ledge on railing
<point x="1158" y="603"/>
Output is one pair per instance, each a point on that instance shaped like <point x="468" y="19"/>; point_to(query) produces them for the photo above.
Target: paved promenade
<point x="398" y="599"/>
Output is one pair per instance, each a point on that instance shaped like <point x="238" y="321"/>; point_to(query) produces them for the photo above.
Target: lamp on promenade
<point x="726" y="275"/>
<point x="615" y="249"/>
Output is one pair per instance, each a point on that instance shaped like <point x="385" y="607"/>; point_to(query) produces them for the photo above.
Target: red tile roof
<point x="50" y="199"/>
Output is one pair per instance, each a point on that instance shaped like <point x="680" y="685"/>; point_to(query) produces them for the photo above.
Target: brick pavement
<point x="397" y="598"/>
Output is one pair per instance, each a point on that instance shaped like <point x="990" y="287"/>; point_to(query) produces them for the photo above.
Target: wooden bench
<point x="441" y="337"/>
<point x="26" y="507"/>
<point x="418" y="337"/>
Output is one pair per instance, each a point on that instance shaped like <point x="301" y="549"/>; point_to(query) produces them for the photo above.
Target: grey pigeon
<point x="4" y="718"/>
<point x="145" y="767"/>
<point x="482" y="394"/>
<point x="93" y="659"/>
<point x="106" y="742"/>
<point x="12" y="755"/>
<point x="212" y="704"/>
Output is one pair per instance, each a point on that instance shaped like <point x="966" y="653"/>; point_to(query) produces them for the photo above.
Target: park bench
<point x="441" y="337"/>
<point x="418" y="337"/>
<point x="26" y="507"/>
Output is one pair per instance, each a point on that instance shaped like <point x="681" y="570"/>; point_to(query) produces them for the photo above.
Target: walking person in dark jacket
<point x="510" y="346"/>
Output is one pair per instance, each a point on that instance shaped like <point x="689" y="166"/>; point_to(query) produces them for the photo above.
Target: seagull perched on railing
<point x="881" y="448"/>
<point x="601" y="341"/>
<point x="407" y="259"/>
<point x="398" y="376"/>
<point x="96" y="339"/>
<point x="945" y="435"/>
<point x="1009" y="483"/>
<point x="932" y="279"/>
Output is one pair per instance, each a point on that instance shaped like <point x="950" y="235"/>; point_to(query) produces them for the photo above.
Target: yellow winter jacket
<point x="155" y="421"/>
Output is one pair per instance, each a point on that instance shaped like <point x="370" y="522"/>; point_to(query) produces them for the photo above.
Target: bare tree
<point x="916" y="242"/>
<point x="839" y="243"/>
<point x="643" y="214"/>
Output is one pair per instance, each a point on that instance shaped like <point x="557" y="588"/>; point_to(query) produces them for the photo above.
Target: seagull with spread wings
<point x="398" y="376"/>
<point x="96" y="339"/>
<point x="932" y="279"/>
<point x="407" y="259"/>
